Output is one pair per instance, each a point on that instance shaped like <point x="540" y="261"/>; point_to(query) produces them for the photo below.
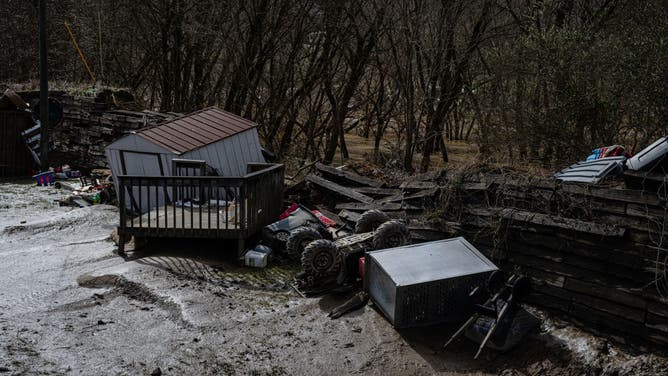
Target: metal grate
<point x="437" y="301"/>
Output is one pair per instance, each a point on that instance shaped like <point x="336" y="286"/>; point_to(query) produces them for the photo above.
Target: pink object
<point x="288" y="211"/>
<point x="325" y="220"/>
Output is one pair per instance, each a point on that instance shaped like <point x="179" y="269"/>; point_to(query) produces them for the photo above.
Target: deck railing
<point x="201" y="206"/>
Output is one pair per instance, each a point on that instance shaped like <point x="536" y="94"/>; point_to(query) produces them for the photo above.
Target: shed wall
<point x="139" y="164"/>
<point x="230" y="156"/>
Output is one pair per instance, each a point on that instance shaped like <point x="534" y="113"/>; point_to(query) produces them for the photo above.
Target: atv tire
<point x="370" y="220"/>
<point x="321" y="258"/>
<point x="391" y="234"/>
<point x="299" y="238"/>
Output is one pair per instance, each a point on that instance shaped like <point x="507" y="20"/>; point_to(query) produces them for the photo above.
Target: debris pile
<point x="595" y="253"/>
<point x="81" y="192"/>
<point x="350" y="194"/>
<point x="647" y="170"/>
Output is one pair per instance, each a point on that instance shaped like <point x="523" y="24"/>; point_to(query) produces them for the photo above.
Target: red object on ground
<point x="325" y="221"/>
<point x="360" y="264"/>
<point x="288" y="211"/>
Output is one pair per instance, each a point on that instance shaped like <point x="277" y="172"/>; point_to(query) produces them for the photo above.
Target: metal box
<point x="425" y="283"/>
<point x="650" y="156"/>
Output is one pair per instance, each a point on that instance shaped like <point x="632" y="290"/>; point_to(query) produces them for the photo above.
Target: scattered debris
<point x="504" y="326"/>
<point x="358" y="301"/>
<point x="651" y="157"/>
<point x="593" y="171"/>
<point x="338" y="189"/>
<point x="294" y="218"/>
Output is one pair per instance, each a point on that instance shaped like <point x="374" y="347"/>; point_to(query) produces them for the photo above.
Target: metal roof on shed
<point x="195" y="130"/>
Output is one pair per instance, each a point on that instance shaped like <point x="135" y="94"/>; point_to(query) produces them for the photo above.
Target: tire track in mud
<point x="276" y="278"/>
<point x="120" y="286"/>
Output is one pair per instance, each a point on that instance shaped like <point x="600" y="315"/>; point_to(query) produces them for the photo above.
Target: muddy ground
<point x="69" y="305"/>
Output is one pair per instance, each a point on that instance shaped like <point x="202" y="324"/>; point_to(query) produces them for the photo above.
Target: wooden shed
<point x="201" y="175"/>
<point x="224" y="142"/>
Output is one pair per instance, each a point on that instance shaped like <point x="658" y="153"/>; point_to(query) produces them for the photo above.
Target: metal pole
<point x="43" y="88"/>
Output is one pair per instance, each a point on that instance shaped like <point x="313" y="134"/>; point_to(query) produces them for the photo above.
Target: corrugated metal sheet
<point x="592" y="171"/>
<point x="196" y="130"/>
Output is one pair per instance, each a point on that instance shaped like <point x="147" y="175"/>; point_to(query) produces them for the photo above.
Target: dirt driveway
<point x="69" y="305"/>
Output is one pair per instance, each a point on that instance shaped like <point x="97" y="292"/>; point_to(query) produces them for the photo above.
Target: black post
<point x="43" y="88"/>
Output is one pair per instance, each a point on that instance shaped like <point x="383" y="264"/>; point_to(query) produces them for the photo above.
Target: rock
<point x="156" y="372"/>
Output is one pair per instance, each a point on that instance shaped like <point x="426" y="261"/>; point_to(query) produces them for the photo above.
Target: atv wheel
<point x="370" y="220"/>
<point x="321" y="258"/>
<point x="299" y="238"/>
<point x="391" y="234"/>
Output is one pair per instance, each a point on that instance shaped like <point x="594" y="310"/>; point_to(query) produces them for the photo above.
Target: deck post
<point x="241" y="248"/>
<point x="123" y="219"/>
<point x="121" y="244"/>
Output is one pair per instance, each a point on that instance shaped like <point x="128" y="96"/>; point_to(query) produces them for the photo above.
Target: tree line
<point x="535" y="80"/>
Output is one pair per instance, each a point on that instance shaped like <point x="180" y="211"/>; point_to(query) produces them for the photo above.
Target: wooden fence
<point x="200" y="206"/>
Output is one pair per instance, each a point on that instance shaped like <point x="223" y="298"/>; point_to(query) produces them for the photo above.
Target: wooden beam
<point x="378" y="191"/>
<point x="422" y="194"/>
<point x="338" y="189"/>
<point x="562" y="223"/>
<point x="349" y="215"/>
<point x="417" y="185"/>
<point x="348" y="176"/>
<point x="356" y="206"/>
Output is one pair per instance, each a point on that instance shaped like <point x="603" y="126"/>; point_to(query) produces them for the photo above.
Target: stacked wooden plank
<point x="351" y="194"/>
<point x="89" y="126"/>
<point x="596" y="254"/>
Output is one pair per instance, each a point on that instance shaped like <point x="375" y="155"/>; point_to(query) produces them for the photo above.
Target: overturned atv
<point x="329" y="263"/>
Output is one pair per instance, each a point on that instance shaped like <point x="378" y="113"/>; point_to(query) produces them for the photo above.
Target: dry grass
<point x="360" y="149"/>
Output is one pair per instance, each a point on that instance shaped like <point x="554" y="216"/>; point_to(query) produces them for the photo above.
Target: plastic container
<point x="45" y="178"/>
<point x="264" y="249"/>
<point x="650" y="156"/>
<point x="256" y="259"/>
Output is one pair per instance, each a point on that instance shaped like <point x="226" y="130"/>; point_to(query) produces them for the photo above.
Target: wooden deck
<point x="235" y="207"/>
<point x="177" y="217"/>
